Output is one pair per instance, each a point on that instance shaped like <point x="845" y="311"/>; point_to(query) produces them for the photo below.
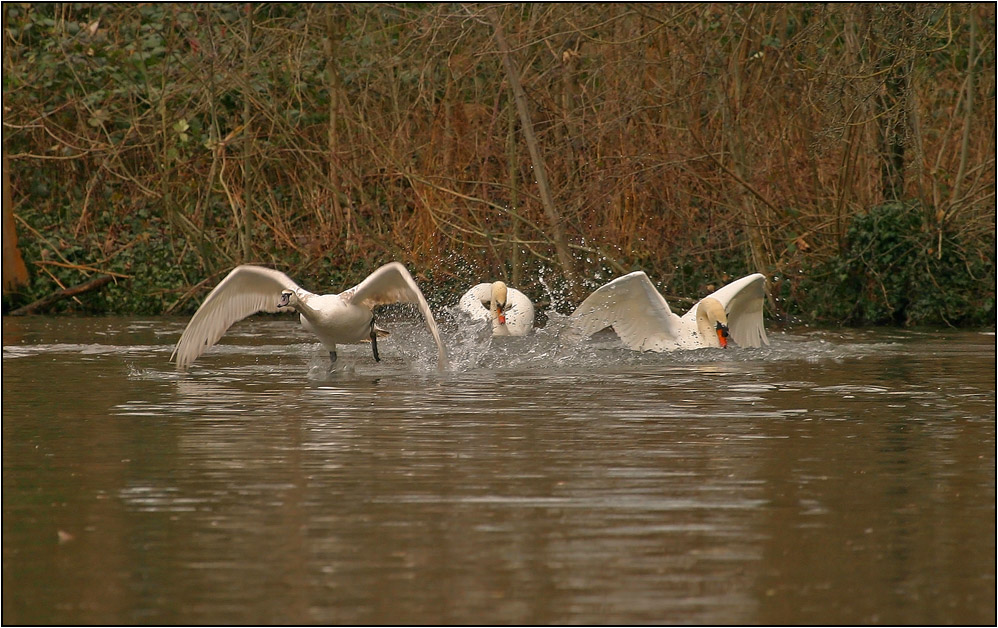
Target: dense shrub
<point x="897" y="268"/>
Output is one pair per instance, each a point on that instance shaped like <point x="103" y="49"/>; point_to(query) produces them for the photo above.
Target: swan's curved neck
<point x="498" y="294"/>
<point x="301" y="304"/>
<point x="498" y="305"/>
<point x="709" y="314"/>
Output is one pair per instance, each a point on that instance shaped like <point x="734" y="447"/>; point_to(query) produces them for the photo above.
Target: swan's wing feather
<point x="520" y="307"/>
<point x="472" y="302"/>
<point x="743" y="301"/>
<point x="392" y="283"/>
<point x="244" y="291"/>
<point x="634" y="308"/>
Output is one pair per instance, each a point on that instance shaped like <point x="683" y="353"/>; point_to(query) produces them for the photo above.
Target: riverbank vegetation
<point x="847" y="151"/>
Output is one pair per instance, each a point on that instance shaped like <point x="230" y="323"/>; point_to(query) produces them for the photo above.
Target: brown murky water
<point x="834" y="477"/>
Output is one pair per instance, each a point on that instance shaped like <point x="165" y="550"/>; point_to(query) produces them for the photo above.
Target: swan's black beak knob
<point x="722" y="335"/>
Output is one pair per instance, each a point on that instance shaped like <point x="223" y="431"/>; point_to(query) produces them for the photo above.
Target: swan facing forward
<point x="509" y="310"/>
<point x="642" y="319"/>
<point x="344" y="318"/>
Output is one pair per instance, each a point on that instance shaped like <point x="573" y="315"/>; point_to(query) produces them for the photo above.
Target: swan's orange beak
<point x="502" y="317"/>
<point x="722" y="335"/>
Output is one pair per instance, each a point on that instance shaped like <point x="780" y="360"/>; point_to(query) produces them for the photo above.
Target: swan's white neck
<point x="299" y="301"/>
<point x="498" y="304"/>
<point x="709" y="314"/>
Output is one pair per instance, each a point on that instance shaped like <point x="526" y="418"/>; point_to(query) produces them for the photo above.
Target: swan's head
<point x="499" y="301"/>
<point x="288" y="299"/>
<point x="722" y="334"/>
<point x="712" y="319"/>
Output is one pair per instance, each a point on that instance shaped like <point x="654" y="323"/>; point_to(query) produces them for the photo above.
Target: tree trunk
<point x="514" y="197"/>
<point x="340" y="221"/>
<point x="15" y="273"/>
<point x="64" y="293"/>
<point x="891" y="106"/>
<point x="246" y="232"/>
<point x="520" y="97"/>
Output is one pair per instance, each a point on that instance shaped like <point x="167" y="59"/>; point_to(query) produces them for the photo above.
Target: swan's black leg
<point x="374" y="341"/>
<point x="332" y="358"/>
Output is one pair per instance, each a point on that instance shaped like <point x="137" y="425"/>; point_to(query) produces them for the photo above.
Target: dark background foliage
<point x="847" y="151"/>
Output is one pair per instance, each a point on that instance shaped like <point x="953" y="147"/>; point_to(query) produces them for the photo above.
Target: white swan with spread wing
<point x="642" y="319"/>
<point x="344" y="318"/>
<point x="509" y="310"/>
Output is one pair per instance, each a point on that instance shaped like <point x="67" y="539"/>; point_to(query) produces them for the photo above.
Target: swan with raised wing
<point x="344" y="318"/>
<point x="509" y="310"/>
<point x="644" y="322"/>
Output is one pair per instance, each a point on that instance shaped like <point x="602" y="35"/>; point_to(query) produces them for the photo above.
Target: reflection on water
<point x="834" y="477"/>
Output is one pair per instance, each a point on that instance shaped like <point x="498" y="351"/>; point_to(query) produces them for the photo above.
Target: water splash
<point x="268" y="344"/>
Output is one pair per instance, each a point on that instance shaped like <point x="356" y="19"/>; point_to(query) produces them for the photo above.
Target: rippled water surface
<point x="834" y="477"/>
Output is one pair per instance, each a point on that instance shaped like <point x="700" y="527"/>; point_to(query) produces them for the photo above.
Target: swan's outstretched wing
<point x="392" y="283"/>
<point x="473" y="302"/>
<point x="244" y="291"/>
<point x="742" y="301"/>
<point x="636" y="311"/>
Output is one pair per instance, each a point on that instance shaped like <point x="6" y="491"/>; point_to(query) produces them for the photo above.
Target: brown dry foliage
<point x="694" y="141"/>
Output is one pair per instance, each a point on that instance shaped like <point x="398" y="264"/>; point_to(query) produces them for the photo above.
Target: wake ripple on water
<point x="278" y="344"/>
<point x="22" y="351"/>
